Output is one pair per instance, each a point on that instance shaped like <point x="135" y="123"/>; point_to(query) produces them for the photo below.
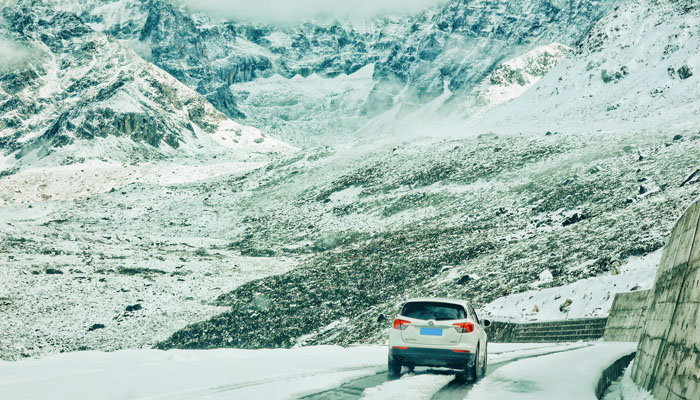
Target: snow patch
<point x="308" y="110"/>
<point x="516" y="76"/>
<point x="76" y="181"/>
<point x="410" y="386"/>
<point x="623" y="78"/>
<point x="590" y="297"/>
<point x="346" y="196"/>
<point x="625" y="388"/>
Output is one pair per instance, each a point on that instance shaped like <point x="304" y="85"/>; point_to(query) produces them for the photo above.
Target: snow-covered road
<point x="569" y="375"/>
<point x="311" y="372"/>
<point x="427" y="383"/>
<point x="188" y="374"/>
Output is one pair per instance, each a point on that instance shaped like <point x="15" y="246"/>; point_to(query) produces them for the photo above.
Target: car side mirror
<point x="485" y="323"/>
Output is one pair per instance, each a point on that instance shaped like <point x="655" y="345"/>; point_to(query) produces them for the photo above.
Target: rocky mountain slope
<point x="445" y="51"/>
<point x="80" y="114"/>
<point x="210" y="54"/>
<point x="514" y="77"/>
<point x="80" y="95"/>
<point x="478" y="218"/>
<point x="482" y="218"/>
<point x="322" y="245"/>
<point x="440" y="61"/>
<point x="364" y="229"/>
<point x="456" y="47"/>
<point x="637" y="69"/>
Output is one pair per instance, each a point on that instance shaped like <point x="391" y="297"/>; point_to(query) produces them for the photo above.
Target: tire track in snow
<point x="456" y="388"/>
<point x="199" y="393"/>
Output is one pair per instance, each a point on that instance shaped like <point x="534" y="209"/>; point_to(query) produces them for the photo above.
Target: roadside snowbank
<point x="572" y="374"/>
<point x="625" y="388"/>
<point x="590" y="297"/>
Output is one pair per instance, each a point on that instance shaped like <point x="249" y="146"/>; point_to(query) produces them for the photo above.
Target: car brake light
<point x="463" y="327"/>
<point x="399" y="347"/>
<point x="401" y="324"/>
<point x="460" y="351"/>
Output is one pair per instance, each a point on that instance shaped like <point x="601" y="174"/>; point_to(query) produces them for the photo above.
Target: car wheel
<point x="486" y="357"/>
<point x="394" y="369"/>
<point x="473" y="370"/>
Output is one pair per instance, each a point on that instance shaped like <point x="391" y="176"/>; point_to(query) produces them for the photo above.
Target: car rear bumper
<point x="426" y="357"/>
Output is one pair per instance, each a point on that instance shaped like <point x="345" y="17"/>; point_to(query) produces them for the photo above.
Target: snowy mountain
<point x="456" y="47"/>
<point x="511" y="78"/>
<point x="321" y="82"/>
<point x="637" y="69"/>
<point x="474" y="218"/>
<point x="147" y="241"/>
<point x="485" y="217"/>
<point x="442" y="53"/>
<point x="210" y="54"/>
<point x="79" y="94"/>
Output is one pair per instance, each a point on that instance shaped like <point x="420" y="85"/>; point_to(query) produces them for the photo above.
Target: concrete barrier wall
<point x="571" y="330"/>
<point x="668" y="359"/>
<point x="627" y="317"/>
<point x="611" y="374"/>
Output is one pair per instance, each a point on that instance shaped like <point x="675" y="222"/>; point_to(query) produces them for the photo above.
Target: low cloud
<point x="291" y="11"/>
<point x="12" y="53"/>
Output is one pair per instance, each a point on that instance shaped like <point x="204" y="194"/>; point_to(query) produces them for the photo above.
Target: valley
<point x="175" y="180"/>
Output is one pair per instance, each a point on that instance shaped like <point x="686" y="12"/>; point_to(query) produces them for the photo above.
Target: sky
<point x="291" y="11"/>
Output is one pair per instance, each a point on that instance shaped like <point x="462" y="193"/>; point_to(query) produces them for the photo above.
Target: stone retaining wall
<point x="627" y="317"/>
<point x="571" y="330"/>
<point x="668" y="359"/>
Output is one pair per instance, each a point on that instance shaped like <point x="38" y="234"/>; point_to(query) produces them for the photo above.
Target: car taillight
<point x="401" y="324"/>
<point x="464" y="327"/>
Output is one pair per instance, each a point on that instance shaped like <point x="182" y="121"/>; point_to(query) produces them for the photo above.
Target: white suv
<point x="436" y="332"/>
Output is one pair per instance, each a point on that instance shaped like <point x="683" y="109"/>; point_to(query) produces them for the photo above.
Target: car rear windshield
<point x="427" y="310"/>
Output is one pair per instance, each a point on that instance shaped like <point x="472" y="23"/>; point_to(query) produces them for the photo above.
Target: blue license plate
<point x="431" y="331"/>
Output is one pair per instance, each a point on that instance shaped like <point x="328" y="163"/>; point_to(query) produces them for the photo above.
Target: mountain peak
<point x="82" y="85"/>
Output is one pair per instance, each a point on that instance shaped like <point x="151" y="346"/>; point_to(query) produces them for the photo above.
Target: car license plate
<point x="431" y="331"/>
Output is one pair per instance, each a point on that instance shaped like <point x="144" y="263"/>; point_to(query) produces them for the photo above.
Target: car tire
<point x="472" y="372"/>
<point x="394" y="369"/>
<point x="486" y="358"/>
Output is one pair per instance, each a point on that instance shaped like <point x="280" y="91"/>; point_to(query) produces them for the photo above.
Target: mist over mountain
<point x="296" y="11"/>
<point x="12" y="54"/>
